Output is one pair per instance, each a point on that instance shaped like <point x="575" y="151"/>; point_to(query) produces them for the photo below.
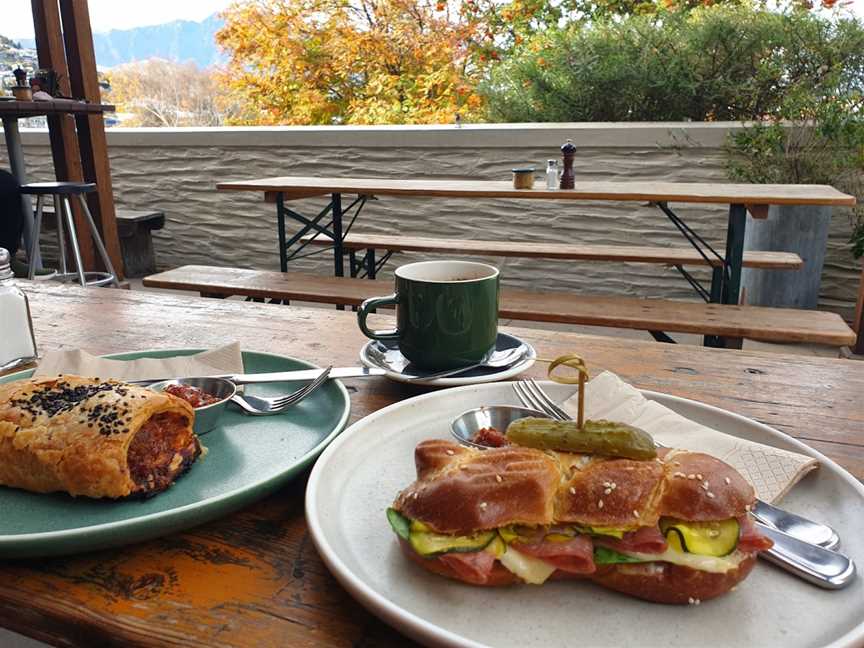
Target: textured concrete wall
<point x="176" y="171"/>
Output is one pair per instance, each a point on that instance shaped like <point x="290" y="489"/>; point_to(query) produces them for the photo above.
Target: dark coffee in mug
<point x="446" y="312"/>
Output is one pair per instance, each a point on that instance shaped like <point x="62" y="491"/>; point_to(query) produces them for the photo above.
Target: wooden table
<point x="10" y="113"/>
<point x="726" y="278"/>
<point x="254" y="578"/>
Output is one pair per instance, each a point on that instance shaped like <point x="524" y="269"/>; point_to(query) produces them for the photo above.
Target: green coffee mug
<point x="446" y="315"/>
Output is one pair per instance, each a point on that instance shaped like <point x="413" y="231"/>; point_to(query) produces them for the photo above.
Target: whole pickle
<point x="595" y="437"/>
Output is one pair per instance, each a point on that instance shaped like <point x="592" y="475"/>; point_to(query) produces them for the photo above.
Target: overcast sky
<point x="17" y="22"/>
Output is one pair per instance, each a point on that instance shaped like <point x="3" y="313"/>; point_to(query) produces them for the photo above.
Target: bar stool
<point x="60" y="192"/>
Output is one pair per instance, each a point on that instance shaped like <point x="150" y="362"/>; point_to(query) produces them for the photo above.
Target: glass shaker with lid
<point x="17" y="342"/>
<point x="552" y="174"/>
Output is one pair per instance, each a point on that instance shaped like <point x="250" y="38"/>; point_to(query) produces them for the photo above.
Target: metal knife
<point x="795" y="525"/>
<point x="822" y="567"/>
<point x="283" y="376"/>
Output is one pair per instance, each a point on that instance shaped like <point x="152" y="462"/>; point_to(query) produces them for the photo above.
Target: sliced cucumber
<point x="431" y="544"/>
<point x="704" y="538"/>
<point x="399" y="523"/>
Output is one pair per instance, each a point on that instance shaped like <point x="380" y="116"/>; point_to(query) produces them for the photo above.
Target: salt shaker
<point x="551" y="174"/>
<point x="17" y="342"/>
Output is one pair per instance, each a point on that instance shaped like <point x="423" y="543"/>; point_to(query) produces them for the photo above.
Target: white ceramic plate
<point x="359" y="474"/>
<point x="470" y="377"/>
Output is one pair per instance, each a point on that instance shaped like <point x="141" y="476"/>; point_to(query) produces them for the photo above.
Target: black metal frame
<point x="332" y="230"/>
<point x="725" y="278"/>
<point x="367" y="267"/>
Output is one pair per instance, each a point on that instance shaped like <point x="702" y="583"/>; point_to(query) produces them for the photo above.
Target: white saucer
<point x="399" y="368"/>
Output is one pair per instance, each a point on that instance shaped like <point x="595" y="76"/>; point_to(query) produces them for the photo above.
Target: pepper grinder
<point x="568" y="178"/>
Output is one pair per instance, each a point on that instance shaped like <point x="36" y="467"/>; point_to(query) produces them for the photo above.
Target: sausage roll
<point x="91" y="437"/>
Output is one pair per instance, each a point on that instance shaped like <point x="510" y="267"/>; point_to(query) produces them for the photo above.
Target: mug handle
<point x="372" y="304"/>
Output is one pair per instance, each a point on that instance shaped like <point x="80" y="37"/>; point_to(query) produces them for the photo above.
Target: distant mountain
<point x="181" y="41"/>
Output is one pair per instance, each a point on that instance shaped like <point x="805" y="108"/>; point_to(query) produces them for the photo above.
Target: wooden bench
<point x="135" y="229"/>
<point x="727" y="321"/>
<point x="573" y="252"/>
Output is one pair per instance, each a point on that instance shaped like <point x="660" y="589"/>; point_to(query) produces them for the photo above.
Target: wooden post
<point x="858" y="324"/>
<point x="61" y="128"/>
<point x="92" y="141"/>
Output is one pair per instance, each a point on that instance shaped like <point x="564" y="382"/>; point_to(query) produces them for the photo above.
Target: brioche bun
<point x="462" y="490"/>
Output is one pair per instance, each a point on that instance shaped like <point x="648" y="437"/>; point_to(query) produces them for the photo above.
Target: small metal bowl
<point x="207" y="417"/>
<point x="467" y="424"/>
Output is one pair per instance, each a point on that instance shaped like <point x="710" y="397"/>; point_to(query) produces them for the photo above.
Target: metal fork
<point x="261" y="406"/>
<point x="817" y="564"/>
<point x="530" y="393"/>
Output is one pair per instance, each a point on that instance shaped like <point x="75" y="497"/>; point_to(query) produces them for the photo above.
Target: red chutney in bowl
<point x="192" y="395"/>
<point x="490" y="437"/>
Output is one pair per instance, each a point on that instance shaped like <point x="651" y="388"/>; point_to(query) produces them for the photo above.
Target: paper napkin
<point x="772" y="471"/>
<point x="226" y="359"/>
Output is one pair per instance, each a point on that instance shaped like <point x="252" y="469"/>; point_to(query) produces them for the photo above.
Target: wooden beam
<point x="61" y="128"/>
<point x="92" y="141"/>
<point x="758" y="211"/>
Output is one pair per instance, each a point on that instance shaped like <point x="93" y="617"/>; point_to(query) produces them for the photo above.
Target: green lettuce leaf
<point x="604" y="556"/>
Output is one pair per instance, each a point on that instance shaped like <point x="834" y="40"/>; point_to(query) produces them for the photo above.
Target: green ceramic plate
<point x="247" y="458"/>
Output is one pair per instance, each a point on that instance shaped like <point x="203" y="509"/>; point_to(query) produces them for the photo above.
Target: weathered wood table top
<point x="254" y="578"/>
<point x="685" y="192"/>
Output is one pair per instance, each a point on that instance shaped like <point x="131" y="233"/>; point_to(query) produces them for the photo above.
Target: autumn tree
<point x="163" y="93"/>
<point x="351" y="61"/>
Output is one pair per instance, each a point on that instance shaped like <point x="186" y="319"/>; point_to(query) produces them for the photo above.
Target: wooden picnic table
<point x="254" y="578"/>
<point x="726" y="278"/>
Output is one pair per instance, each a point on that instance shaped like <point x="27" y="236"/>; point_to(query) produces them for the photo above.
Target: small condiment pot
<point x="22" y="93"/>
<point x="206" y="417"/>
<point x="499" y="417"/>
<point x="523" y="178"/>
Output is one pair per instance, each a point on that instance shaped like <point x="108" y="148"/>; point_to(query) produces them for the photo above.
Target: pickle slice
<point x="431" y="544"/>
<point x="594" y="437"/>
<point x="705" y="538"/>
<point x="399" y="523"/>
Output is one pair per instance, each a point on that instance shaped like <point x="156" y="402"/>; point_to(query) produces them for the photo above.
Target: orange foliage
<point x="350" y="61"/>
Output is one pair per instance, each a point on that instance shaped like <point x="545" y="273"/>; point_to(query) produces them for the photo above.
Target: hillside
<point x="181" y="40"/>
<point x="11" y="56"/>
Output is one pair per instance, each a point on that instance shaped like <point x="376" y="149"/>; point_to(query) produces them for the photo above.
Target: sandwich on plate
<point x="670" y="528"/>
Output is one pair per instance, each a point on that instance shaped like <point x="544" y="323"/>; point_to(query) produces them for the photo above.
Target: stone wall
<point x="176" y="170"/>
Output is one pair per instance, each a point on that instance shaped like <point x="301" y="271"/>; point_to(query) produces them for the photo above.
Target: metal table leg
<point x="280" y="217"/>
<point x="338" y="268"/>
<point x="725" y="278"/>
<point x="734" y="252"/>
<point x="16" y="162"/>
<point x="292" y="247"/>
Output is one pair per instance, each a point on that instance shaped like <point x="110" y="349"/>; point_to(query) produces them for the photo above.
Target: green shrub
<point x="714" y="63"/>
